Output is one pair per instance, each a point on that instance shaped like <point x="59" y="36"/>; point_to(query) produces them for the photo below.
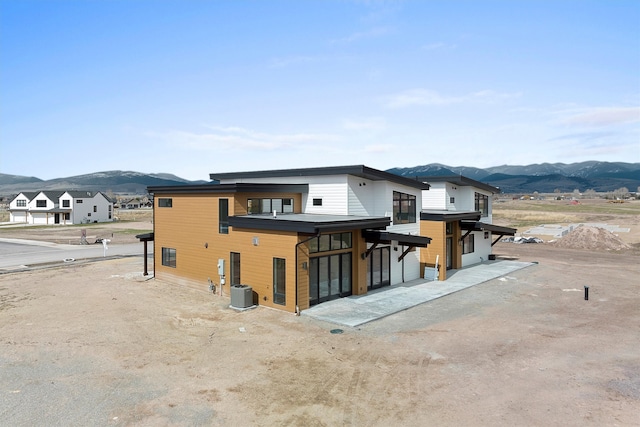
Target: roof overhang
<point x="461" y="181"/>
<point x="500" y="231"/>
<point x="308" y="223"/>
<point x="146" y="237"/>
<point x="448" y="216"/>
<point x="386" y="237"/>
<point x="360" y="171"/>
<point x="230" y="188"/>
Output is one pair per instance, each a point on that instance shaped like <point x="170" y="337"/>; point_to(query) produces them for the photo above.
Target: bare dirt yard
<point x="99" y="344"/>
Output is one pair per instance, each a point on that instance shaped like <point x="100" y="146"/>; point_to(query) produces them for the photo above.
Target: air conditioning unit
<point x="241" y="296"/>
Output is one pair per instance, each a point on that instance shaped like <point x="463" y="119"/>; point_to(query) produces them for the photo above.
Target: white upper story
<point x="348" y="190"/>
<point x="459" y="194"/>
<point x="61" y="207"/>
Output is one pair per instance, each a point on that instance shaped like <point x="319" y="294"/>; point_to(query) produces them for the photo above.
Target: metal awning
<point x="470" y="226"/>
<point x="385" y="237"/>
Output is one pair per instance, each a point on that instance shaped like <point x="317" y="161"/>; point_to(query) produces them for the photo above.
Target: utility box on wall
<point x="241" y="296"/>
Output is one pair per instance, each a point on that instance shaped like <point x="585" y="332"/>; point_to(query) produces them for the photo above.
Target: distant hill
<point x="115" y="181"/>
<point x="543" y="178"/>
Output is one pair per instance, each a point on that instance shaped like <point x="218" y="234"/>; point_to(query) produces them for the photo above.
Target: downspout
<point x="297" y="246"/>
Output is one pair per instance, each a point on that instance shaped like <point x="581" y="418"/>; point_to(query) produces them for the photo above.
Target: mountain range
<point x="543" y="178"/>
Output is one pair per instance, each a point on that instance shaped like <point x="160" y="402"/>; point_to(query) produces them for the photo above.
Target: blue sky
<point x="194" y="87"/>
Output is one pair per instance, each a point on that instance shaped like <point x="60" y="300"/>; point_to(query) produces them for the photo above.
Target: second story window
<point x="482" y="204"/>
<point x="266" y="206"/>
<point x="404" y="208"/>
<point x="223" y="216"/>
<point x="66" y="203"/>
<point x="41" y="203"/>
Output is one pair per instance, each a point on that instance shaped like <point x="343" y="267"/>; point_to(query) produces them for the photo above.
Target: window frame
<point x="169" y="257"/>
<point x="482" y="204"/>
<point x="165" y="202"/>
<point x="404" y="208"/>
<point x="279" y="281"/>
<point x="223" y="216"/>
<point x="468" y="244"/>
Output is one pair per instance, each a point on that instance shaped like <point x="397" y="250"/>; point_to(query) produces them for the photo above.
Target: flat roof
<point x="355" y="170"/>
<point x="459" y="180"/>
<point x="481" y="226"/>
<point x="230" y="188"/>
<point x="308" y="223"/>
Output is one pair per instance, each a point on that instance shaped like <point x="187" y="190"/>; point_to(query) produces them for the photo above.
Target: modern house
<point x="300" y="237"/>
<point x="457" y="214"/>
<point x="60" y="207"/>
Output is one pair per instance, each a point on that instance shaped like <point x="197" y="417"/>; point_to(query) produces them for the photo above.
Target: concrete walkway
<point x="357" y="310"/>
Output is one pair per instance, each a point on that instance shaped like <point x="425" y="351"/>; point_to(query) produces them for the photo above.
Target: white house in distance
<point x="60" y="207"/>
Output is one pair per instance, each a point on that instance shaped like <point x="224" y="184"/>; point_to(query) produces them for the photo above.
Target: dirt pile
<point x="595" y="238"/>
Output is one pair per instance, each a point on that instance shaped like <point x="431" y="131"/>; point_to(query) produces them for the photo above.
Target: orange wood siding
<point x="438" y="246"/>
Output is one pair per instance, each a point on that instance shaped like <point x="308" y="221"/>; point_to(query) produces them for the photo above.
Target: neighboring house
<point x="457" y="215"/>
<point x="300" y="237"/>
<point x="60" y="207"/>
<point x="130" y="204"/>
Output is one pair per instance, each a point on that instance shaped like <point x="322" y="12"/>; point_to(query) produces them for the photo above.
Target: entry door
<point x="56" y="218"/>
<point x="378" y="268"/>
<point x="329" y="277"/>
<point x="449" y="253"/>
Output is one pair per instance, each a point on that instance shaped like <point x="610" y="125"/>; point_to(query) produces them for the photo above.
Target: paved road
<point x="18" y="254"/>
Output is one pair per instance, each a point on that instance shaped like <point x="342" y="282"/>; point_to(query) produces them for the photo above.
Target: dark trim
<point x="481" y="226"/>
<point x="449" y="216"/>
<point x="459" y="180"/>
<point x="146" y="237"/>
<point x="309" y="226"/>
<point x="355" y="170"/>
<point x="386" y="237"/>
<point x="230" y="188"/>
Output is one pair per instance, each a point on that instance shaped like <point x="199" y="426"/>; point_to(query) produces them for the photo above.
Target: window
<point x="41" y="203"/>
<point x="330" y="242"/>
<point x="67" y="216"/>
<point x="169" y="257"/>
<point x="404" y="208"/>
<point x="468" y="244"/>
<point x="482" y="204"/>
<point x="223" y="216"/>
<point x="165" y="203"/>
<point x="21" y="203"/>
<point x="79" y="201"/>
<point x="379" y="268"/>
<point x="317" y="202"/>
<point x="452" y="200"/>
<point x="279" y="282"/>
<point x="66" y="203"/>
<point x="449" y="228"/>
<point x="95" y="208"/>
<point x="266" y="206"/>
<point x="235" y="268"/>
<point x="329" y="277"/>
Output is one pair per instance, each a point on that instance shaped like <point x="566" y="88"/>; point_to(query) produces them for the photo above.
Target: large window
<point x="330" y="242"/>
<point x="379" y="268"/>
<point x="41" y="203"/>
<point x="266" y="206"/>
<point x="329" y="277"/>
<point x="468" y="244"/>
<point x="223" y="216"/>
<point x="404" y="208"/>
<point x="482" y="204"/>
<point x="169" y="257"/>
<point x="21" y="203"/>
<point x="66" y="203"/>
<point x="279" y="282"/>
<point x="235" y="268"/>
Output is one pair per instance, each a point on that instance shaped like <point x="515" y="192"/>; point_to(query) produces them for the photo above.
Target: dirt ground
<point x="99" y="344"/>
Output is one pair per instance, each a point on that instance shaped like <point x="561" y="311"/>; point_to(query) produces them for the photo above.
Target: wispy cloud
<point x="238" y="139"/>
<point x="372" y="33"/>
<point x="600" y="117"/>
<point x="379" y="148"/>
<point x="426" y="97"/>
